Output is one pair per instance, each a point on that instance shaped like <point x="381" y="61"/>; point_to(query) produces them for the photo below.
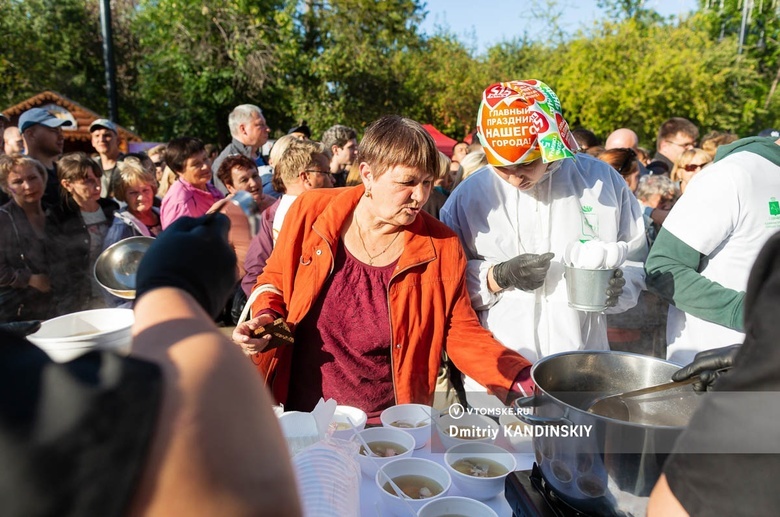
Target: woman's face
<point x="249" y="180"/>
<point x="25" y="185"/>
<point x="197" y="171"/>
<point x="139" y="198"/>
<point x="688" y="171"/>
<point x="523" y="176"/>
<point x="84" y="191"/>
<point x="397" y="196"/>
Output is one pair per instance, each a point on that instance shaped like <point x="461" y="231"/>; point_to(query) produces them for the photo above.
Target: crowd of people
<point x="390" y="261"/>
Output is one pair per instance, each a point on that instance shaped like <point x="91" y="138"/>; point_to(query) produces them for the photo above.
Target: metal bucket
<point x="613" y="469"/>
<point x="587" y="288"/>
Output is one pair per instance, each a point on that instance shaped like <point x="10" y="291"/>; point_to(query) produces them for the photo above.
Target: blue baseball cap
<point x="103" y="123"/>
<point x="40" y="116"/>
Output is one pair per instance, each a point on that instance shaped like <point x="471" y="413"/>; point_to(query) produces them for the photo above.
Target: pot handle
<point x="543" y="420"/>
<point x="527" y="418"/>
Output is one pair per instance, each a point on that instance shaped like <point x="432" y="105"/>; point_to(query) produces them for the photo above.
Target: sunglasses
<point x="693" y="167"/>
<point x="158" y="164"/>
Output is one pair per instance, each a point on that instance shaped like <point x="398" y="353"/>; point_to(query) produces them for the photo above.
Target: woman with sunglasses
<point x="690" y="162"/>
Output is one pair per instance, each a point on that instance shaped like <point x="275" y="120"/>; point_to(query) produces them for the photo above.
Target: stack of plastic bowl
<point x="414" y="419"/>
<point x="328" y="481"/>
<point x="69" y="336"/>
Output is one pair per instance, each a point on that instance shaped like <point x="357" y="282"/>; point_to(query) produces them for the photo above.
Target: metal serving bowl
<point x="116" y="267"/>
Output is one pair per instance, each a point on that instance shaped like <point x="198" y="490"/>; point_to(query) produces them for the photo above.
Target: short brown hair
<point x="181" y="149"/>
<point x="298" y="155"/>
<point x="75" y="167"/>
<point x="132" y="173"/>
<point x="225" y="171"/>
<point x="9" y="162"/>
<point x="394" y="140"/>
<point x="676" y="125"/>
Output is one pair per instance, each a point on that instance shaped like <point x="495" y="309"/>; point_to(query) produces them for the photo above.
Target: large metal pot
<point x="596" y="464"/>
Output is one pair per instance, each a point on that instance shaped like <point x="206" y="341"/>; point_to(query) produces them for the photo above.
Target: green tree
<point x="756" y="25"/>
<point x="51" y="45"/>
<point x="348" y="66"/>
<point x="632" y="74"/>
<point x="199" y="60"/>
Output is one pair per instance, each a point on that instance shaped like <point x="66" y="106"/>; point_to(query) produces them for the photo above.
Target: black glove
<point x="526" y="272"/>
<point x="192" y="255"/>
<point x="615" y="288"/>
<point x="707" y="365"/>
<point x="21" y="328"/>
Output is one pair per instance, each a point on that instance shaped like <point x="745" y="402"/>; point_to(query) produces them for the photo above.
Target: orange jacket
<point x="429" y="305"/>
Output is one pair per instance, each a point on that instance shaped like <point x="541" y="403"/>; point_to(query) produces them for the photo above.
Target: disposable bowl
<point x="69" y="336"/>
<point x="481" y="488"/>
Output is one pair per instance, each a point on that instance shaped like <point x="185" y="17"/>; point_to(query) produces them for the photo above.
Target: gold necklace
<point x="370" y="258"/>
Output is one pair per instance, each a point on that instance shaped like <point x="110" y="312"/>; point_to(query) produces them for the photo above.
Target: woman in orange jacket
<point x="373" y="290"/>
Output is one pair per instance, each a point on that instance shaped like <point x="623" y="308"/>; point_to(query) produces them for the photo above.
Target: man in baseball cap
<point x="517" y="216"/>
<point x="42" y="132"/>
<point x="105" y="140"/>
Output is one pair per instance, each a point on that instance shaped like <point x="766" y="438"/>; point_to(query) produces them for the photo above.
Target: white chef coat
<point x="577" y="199"/>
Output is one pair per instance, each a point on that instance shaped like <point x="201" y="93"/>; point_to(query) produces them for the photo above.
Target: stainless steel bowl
<point x="116" y="267"/>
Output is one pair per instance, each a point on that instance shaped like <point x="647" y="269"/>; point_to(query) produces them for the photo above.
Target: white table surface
<point x="369" y="492"/>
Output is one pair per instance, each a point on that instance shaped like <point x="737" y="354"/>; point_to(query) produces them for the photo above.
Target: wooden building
<point x="77" y="137"/>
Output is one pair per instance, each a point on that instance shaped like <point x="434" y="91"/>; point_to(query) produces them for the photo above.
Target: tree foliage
<point x="671" y="70"/>
<point x="182" y="65"/>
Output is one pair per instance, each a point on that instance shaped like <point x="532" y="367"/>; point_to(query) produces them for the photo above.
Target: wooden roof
<point x="62" y="107"/>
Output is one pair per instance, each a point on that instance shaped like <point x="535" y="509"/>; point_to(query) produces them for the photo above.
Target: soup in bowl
<point x="479" y="470"/>
<point x="419" y="479"/>
<point x="387" y="444"/>
<point x="414" y="419"/>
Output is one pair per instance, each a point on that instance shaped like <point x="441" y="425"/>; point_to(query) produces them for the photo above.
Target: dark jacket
<point x="71" y="270"/>
<point x="22" y="255"/>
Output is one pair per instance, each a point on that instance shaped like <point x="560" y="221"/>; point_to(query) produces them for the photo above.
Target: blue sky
<point x="482" y="23"/>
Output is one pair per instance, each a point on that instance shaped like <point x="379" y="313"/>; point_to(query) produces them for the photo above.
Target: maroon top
<point x="342" y="346"/>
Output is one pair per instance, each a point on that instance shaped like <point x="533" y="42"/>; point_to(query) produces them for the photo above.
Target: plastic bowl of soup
<point x="69" y="336"/>
<point x="414" y="419"/>
<point x="468" y="428"/>
<point x="420" y="480"/>
<point x="343" y="417"/>
<point x="387" y="444"/>
<point x="479" y="470"/>
<point x="518" y="433"/>
<point x="456" y="506"/>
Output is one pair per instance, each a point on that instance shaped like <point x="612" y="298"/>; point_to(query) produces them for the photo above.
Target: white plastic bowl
<point x="341" y="418"/>
<point x="519" y="434"/>
<point x="69" y="336"/>
<point x="454" y="505"/>
<point x="369" y="466"/>
<point x="410" y="467"/>
<point x="481" y="488"/>
<point x="413" y="414"/>
<point x="453" y="431"/>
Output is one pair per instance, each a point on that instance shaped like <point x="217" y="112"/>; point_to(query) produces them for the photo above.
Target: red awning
<point x="443" y="142"/>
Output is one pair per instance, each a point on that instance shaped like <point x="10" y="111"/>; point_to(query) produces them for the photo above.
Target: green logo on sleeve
<point x="774" y="207"/>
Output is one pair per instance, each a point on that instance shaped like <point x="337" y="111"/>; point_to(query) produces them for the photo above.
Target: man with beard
<point x="42" y="133"/>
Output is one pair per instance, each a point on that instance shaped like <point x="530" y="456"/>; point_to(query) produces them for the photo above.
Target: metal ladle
<point x="614" y="406"/>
